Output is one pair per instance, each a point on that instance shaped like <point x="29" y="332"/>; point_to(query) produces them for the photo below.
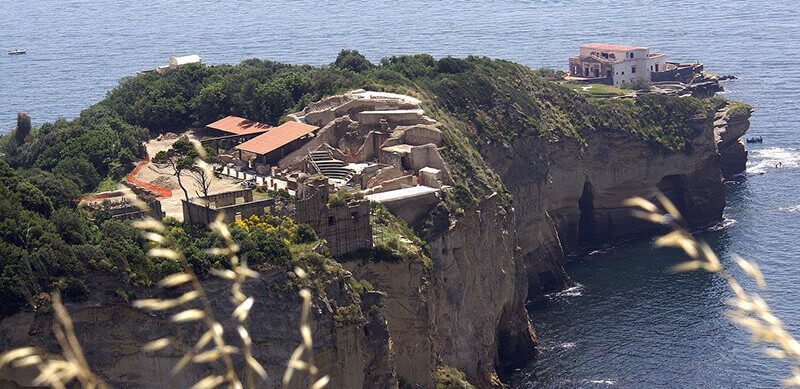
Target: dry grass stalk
<point x="56" y="371"/>
<point x="747" y="309"/>
<point x="220" y="351"/>
<point x="296" y="363"/>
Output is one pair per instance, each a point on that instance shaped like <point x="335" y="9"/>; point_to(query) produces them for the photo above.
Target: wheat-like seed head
<point x="747" y="310"/>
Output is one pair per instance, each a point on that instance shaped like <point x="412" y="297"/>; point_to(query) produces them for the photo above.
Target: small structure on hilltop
<point x="346" y="225"/>
<point x="235" y="205"/>
<point x="615" y="64"/>
<point x="175" y="62"/>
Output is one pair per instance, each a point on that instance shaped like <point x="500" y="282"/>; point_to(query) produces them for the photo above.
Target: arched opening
<point x="586" y="232"/>
<point x="674" y="188"/>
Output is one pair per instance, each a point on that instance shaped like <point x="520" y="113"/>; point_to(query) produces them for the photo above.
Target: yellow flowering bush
<point x="270" y="224"/>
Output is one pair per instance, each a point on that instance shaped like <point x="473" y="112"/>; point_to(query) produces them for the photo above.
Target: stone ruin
<point x="346" y="227"/>
<point x="371" y="141"/>
<point x="120" y="204"/>
<point x="235" y="205"/>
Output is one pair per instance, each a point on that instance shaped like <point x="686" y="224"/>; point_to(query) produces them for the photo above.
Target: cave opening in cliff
<point x="674" y="187"/>
<point x="586" y="232"/>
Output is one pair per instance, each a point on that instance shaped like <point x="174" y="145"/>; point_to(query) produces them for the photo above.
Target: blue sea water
<point x="630" y="323"/>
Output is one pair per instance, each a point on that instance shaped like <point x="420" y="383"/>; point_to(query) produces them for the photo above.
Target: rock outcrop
<point x="728" y="131"/>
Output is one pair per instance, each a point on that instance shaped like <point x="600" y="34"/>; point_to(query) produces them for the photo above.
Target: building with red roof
<point x="234" y="125"/>
<point x="615" y="64"/>
<point x="277" y="142"/>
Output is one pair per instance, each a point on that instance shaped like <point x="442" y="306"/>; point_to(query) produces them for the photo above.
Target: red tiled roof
<point x="606" y="46"/>
<point x="276" y="138"/>
<point x="239" y="126"/>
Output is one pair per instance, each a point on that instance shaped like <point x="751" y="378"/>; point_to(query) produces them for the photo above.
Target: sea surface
<point x="629" y="322"/>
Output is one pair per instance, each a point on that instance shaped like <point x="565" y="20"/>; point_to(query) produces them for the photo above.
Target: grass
<point x="738" y="109"/>
<point x="447" y="377"/>
<point x="597" y="90"/>
<point x="302" y="248"/>
<point x="108" y="184"/>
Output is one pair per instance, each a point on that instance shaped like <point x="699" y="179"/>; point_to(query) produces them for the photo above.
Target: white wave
<point x="723" y="224"/>
<point x="601" y="382"/>
<point x="574" y="291"/>
<point x="763" y="160"/>
<point x="567" y="345"/>
<point x="793" y="209"/>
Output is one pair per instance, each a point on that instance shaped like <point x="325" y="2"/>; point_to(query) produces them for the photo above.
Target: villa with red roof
<point x="615" y="64"/>
<point x="269" y="147"/>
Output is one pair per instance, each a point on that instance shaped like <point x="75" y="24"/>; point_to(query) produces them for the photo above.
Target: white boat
<point x="17" y="51"/>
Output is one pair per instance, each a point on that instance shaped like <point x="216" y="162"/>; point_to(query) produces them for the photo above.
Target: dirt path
<point x="163" y="177"/>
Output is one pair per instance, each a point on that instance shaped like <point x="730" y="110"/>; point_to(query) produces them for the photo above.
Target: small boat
<point x="755" y="139"/>
<point x="17" y="51"/>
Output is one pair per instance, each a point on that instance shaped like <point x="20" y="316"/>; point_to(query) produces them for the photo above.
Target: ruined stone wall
<point x="196" y="211"/>
<point x="347" y="228"/>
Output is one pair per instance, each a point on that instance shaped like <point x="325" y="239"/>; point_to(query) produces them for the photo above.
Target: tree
<point x="62" y="191"/>
<point x="23" y="129"/>
<point x="182" y="158"/>
<point x="80" y="171"/>
<point x="202" y="175"/>
<point x="352" y="60"/>
<point x="19" y="135"/>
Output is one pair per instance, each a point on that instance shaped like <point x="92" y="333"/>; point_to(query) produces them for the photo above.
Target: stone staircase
<point x="330" y="167"/>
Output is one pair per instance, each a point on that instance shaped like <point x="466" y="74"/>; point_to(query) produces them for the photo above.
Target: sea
<point x="628" y="322"/>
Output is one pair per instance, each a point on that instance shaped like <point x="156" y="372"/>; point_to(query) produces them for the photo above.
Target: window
<point x="331" y="220"/>
<point x="633" y="69"/>
<point x="630" y="55"/>
<point x="623" y="72"/>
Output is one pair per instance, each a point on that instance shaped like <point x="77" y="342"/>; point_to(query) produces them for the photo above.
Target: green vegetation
<point x="738" y="109"/>
<point x="596" y="90"/>
<point x="394" y="240"/>
<point x="360" y="287"/>
<point x="343" y="197"/>
<point x="350" y="314"/>
<point x="447" y="377"/>
<point x="97" y="144"/>
<point x="46" y="243"/>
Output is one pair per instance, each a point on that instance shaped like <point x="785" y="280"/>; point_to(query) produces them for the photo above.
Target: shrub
<point x="305" y="234"/>
<point x="447" y="377"/>
<point x="360" y="287"/>
<point x="451" y="65"/>
<point x="264" y="249"/>
<point x="352" y="60"/>
<point x="74" y="288"/>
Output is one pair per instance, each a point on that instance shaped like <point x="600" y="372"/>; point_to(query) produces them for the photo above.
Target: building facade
<point x="615" y="64"/>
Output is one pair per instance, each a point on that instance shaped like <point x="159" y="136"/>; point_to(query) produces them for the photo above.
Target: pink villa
<point x="615" y="64"/>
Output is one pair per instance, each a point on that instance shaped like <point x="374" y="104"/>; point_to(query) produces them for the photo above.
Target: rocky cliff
<point x="354" y="350"/>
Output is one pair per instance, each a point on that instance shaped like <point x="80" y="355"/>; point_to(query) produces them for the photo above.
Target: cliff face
<point x="568" y="194"/>
<point x="355" y="354"/>
<point x="468" y="310"/>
